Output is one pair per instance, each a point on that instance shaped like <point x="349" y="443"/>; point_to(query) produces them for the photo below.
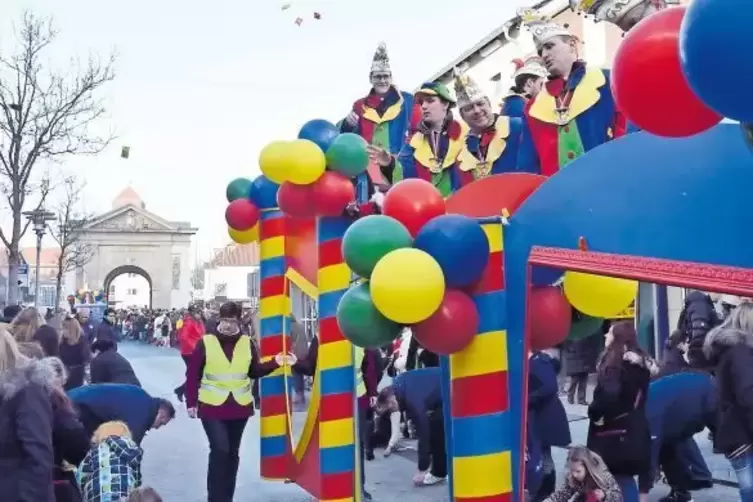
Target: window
<point x="133" y="291"/>
<point x="112" y="289"/>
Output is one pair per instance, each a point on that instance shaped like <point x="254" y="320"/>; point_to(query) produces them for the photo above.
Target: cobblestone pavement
<point x="175" y="456"/>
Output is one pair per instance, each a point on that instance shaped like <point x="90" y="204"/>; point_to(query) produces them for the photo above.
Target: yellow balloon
<point x="407" y="285"/>
<point x="598" y="295"/>
<point x="244" y="236"/>
<point x="274" y="160"/>
<point x="306" y="162"/>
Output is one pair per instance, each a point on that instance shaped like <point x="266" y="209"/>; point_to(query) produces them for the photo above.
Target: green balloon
<point x="238" y="189"/>
<point x="360" y="321"/>
<point x="347" y="154"/>
<point x="369" y="239"/>
<point x="584" y="327"/>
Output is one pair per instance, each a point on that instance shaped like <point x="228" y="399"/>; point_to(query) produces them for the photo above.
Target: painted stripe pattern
<point x="273" y="310"/>
<point x="337" y="446"/>
<point x="483" y="440"/>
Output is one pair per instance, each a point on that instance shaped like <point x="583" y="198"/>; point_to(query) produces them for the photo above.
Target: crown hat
<point x="542" y="29"/>
<point x="611" y="11"/>
<point x="531" y="65"/>
<point x="467" y="90"/>
<point x="381" y="61"/>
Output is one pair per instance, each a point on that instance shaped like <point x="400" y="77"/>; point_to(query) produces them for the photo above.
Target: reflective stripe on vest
<point x="358" y="356"/>
<point x="222" y="377"/>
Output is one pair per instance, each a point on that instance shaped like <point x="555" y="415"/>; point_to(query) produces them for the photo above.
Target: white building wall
<point x="230" y="282"/>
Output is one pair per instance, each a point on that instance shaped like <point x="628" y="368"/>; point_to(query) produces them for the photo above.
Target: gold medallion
<point x="563" y="116"/>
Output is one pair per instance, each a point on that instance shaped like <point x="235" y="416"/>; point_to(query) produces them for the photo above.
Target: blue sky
<point x="202" y="86"/>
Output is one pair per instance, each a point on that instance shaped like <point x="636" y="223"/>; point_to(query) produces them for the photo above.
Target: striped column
<point x="483" y="438"/>
<point x="273" y="310"/>
<point x="337" y="447"/>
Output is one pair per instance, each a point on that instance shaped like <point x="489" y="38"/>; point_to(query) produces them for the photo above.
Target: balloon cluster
<point x="88" y="296"/>
<point x="577" y="309"/>
<point x="314" y="171"/>
<point x="418" y="265"/>
<point x="671" y="72"/>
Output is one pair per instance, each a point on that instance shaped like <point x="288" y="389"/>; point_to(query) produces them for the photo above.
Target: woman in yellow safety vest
<point x="218" y="391"/>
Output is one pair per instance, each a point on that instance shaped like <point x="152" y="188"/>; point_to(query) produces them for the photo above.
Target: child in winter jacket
<point x="587" y="479"/>
<point x="112" y="468"/>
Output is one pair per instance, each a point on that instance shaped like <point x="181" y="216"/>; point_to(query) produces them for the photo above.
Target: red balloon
<point x="241" y="214"/>
<point x="296" y="200"/>
<point x="648" y="84"/>
<point x="452" y="327"/>
<point x="549" y="318"/>
<point x="413" y="202"/>
<point x="331" y="193"/>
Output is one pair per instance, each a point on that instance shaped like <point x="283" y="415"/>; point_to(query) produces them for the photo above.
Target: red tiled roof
<point x="236" y="255"/>
<point x="47" y="258"/>
<point x="127" y="196"/>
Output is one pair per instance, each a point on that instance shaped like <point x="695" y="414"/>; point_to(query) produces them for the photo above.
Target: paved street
<point x="175" y="456"/>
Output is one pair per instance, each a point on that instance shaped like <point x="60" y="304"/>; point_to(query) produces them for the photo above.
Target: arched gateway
<point x="131" y="240"/>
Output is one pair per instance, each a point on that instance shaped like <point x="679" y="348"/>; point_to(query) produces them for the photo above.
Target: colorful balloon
<point x="274" y="161"/>
<point x="407" y="285"/>
<point x="296" y="200"/>
<point x="413" y="202"/>
<point x="549" y="318"/>
<point x="237" y="189"/>
<point x="648" y="58"/>
<point x="360" y="321"/>
<point x="714" y="40"/>
<point x="244" y="236"/>
<point x="307" y="162"/>
<point x="459" y="245"/>
<point x="347" y="155"/>
<point x="320" y="131"/>
<point x="263" y="192"/>
<point x="597" y="295"/>
<point x="371" y="238"/>
<point x="241" y="214"/>
<point x="452" y="327"/>
<point x="332" y="193"/>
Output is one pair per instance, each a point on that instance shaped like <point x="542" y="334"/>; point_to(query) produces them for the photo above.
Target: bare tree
<point x="66" y="230"/>
<point x="45" y="115"/>
<point x="197" y="277"/>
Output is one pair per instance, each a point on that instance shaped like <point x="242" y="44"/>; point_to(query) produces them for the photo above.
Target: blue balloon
<point x="320" y="131"/>
<point x="459" y="245"/>
<point x="263" y="192"/>
<point x="714" y="40"/>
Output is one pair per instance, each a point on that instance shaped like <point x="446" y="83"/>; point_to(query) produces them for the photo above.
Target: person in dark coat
<point x="679" y="406"/>
<point x="26" y="425"/>
<point x="673" y="360"/>
<point x="426" y="359"/>
<point x="618" y="408"/>
<point x="698" y="316"/>
<point x="418" y="393"/>
<point x="74" y="352"/>
<point x="48" y="338"/>
<point x="547" y="416"/>
<point x="107" y="402"/>
<point x="108" y="366"/>
<point x="579" y="358"/>
<point x="70" y="440"/>
<point x="729" y="348"/>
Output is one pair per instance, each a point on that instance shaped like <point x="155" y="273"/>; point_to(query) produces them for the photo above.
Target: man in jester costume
<point x="491" y="144"/>
<point x="383" y="118"/>
<point x="623" y="13"/>
<point x="432" y="151"/>
<point x="574" y="112"/>
<point x="528" y="80"/>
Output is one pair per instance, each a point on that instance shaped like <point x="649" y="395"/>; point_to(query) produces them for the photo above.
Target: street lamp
<point x="39" y="218"/>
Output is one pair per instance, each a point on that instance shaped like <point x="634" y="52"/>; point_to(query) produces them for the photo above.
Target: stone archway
<point x="128" y="269"/>
<point x="131" y="239"/>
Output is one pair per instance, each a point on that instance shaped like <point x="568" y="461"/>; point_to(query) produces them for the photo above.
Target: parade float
<point x="496" y="269"/>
